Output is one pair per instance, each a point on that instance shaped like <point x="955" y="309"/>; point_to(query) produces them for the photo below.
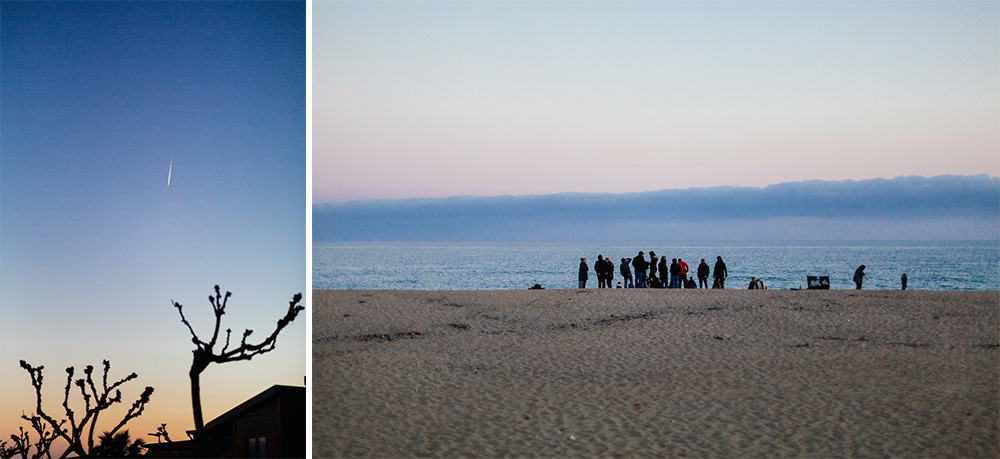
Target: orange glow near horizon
<point x="223" y="387"/>
<point x="170" y="404"/>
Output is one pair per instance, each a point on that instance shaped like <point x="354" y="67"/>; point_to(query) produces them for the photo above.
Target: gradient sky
<point x="431" y="99"/>
<point x="98" y="100"/>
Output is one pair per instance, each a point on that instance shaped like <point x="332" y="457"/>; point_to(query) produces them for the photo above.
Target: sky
<point x="436" y="99"/>
<point x="100" y="102"/>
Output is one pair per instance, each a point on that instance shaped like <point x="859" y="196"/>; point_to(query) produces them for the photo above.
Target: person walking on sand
<point x="902" y="279"/>
<point x="640" y="266"/>
<point x="859" y="276"/>
<point x="720" y="273"/>
<point x="583" y="272"/>
<point x="703" y="272"/>
<point x="626" y="272"/>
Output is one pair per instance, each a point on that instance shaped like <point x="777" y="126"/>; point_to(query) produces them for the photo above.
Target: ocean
<point x="944" y="265"/>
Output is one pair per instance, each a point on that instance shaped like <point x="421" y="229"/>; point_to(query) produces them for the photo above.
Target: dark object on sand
<point x="818" y="282"/>
<point x="536" y="287"/>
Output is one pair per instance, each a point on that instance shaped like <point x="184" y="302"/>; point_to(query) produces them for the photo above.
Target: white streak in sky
<point x="170" y="171"/>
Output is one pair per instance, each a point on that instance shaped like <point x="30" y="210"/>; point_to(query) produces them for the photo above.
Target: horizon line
<point x="625" y="193"/>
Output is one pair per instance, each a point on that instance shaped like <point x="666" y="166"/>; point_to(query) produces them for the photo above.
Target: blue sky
<point x="441" y="98"/>
<point x="99" y="98"/>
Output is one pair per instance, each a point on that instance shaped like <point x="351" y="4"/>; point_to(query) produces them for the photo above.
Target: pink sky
<point x="428" y="99"/>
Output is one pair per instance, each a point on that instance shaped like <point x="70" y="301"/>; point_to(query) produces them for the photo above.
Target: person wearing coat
<point x="703" y="272"/>
<point x="720" y="273"/>
<point x="640" y="266"/>
<point x="859" y="276"/>
<point x="626" y="272"/>
<point x="603" y="267"/>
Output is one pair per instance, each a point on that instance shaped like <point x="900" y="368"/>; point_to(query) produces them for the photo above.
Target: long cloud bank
<point x="942" y="207"/>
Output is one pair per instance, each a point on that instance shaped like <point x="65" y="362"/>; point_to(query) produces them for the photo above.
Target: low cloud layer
<point x="942" y="207"/>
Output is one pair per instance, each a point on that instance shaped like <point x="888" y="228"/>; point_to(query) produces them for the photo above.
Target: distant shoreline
<point x="941" y="265"/>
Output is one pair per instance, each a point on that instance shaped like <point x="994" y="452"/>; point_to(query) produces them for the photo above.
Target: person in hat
<point x="583" y="272"/>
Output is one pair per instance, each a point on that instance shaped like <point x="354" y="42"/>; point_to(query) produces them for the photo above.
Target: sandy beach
<point x="641" y="373"/>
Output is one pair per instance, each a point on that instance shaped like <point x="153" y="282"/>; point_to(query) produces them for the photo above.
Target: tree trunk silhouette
<point x="199" y="423"/>
<point x="199" y="364"/>
<point x="204" y="353"/>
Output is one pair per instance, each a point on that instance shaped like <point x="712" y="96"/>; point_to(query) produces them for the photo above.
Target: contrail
<point x="170" y="171"/>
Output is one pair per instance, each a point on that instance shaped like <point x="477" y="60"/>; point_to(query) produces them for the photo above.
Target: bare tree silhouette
<point x="161" y="434"/>
<point x="95" y="401"/>
<point x="204" y="352"/>
<point x="10" y="451"/>
<point x="22" y="441"/>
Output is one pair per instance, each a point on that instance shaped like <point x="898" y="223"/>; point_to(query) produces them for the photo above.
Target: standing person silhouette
<point x="902" y="279"/>
<point x="640" y="266"/>
<point x="675" y="273"/>
<point x="703" y="274"/>
<point x="859" y="276"/>
<point x="653" y="259"/>
<point x="664" y="269"/>
<point x="609" y="272"/>
<point x="601" y="269"/>
<point x="583" y="272"/>
<point x="682" y="272"/>
<point x="720" y="273"/>
<point x="626" y="272"/>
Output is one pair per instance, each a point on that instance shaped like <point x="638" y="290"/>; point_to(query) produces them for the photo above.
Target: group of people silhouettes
<point x="636" y="272"/>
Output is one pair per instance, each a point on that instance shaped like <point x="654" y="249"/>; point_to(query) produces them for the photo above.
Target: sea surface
<point x="945" y="265"/>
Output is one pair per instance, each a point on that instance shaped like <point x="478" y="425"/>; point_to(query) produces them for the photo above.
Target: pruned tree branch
<point x="194" y="336"/>
<point x="45" y="438"/>
<point x="161" y="434"/>
<point x="204" y="353"/>
<point x="95" y="401"/>
<point x="22" y="441"/>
